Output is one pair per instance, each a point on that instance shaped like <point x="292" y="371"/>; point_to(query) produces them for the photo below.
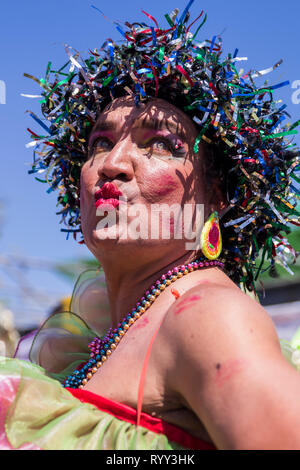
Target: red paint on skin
<point x="204" y="281"/>
<point x="175" y="293"/>
<point x="141" y="323"/>
<point x="171" y="225"/>
<point x="167" y="184"/>
<point x="227" y="370"/>
<point x="186" y="303"/>
<point x="172" y="222"/>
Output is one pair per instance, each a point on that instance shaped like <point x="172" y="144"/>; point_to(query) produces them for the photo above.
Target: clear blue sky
<point x="33" y="32"/>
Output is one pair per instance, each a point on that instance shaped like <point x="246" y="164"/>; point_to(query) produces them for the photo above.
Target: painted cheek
<point x="167" y="184"/>
<point x="165" y="189"/>
<point x="227" y="370"/>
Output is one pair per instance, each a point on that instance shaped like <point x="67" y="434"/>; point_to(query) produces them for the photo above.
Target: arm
<point x="230" y="371"/>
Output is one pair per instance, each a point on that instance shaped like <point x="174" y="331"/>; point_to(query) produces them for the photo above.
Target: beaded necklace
<point x="101" y="349"/>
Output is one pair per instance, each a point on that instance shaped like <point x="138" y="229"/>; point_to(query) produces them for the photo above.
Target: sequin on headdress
<point x="243" y="128"/>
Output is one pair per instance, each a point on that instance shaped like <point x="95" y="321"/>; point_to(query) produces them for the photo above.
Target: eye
<point x="101" y="143"/>
<point x="161" y="145"/>
<point x="166" y="147"/>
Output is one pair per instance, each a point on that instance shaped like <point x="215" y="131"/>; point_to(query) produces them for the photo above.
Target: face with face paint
<point x="146" y="152"/>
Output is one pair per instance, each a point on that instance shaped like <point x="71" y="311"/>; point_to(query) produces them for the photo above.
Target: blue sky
<point x="34" y="32"/>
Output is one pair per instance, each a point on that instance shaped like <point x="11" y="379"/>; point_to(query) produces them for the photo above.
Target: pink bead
<point x="182" y="267"/>
<point x="163" y="277"/>
<point x="175" y="270"/>
<point x="152" y="287"/>
<point x="143" y="298"/>
<point x="206" y="263"/>
<point x="148" y="292"/>
<point x="189" y="266"/>
<point x="169" y="273"/>
<point x="201" y="265"/>
<point x="157" y="283"/>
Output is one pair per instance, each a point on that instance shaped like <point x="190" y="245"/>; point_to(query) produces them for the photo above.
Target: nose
<point x="118" y="163"/>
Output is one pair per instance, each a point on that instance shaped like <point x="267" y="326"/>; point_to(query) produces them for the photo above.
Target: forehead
<point x="155" y="114"/>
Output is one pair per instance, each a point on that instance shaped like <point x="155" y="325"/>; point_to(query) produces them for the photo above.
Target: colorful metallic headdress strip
<point x="246" y="133"/>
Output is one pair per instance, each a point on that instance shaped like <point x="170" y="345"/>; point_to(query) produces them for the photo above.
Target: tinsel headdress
<point x="244" y="130"/>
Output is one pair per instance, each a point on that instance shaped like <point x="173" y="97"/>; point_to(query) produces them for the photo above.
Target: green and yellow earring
<point x="211" y="239"/>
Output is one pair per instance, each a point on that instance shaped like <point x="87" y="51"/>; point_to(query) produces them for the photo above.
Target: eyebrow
<point x="154" y="124"/>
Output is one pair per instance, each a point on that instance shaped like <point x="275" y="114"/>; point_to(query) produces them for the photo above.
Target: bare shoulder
<point x="226" y="366"/>
<point x="217" y="306"/>
<point x="214" y="321"/>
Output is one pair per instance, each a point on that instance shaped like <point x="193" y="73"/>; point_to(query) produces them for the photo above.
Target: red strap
<point x="143" y="376"/>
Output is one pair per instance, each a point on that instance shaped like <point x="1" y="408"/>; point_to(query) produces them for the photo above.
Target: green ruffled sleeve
<point x="36" y="412"/>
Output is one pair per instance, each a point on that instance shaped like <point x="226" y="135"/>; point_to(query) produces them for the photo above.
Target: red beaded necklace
<point x="102" y="348"/>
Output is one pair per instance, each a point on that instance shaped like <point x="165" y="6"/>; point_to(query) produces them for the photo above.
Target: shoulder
<point x="227" y="368"/>
<point x="213" y="321"/>
<point x="216" y="304"/>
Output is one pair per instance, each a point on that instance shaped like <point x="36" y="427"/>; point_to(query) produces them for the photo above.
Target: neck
<point x="128" y="282"/>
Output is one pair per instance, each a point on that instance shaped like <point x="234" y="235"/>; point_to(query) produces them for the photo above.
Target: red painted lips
<point x="108" y="195"/>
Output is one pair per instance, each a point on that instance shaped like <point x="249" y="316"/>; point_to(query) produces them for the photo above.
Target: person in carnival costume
<point x="190" y="360"/>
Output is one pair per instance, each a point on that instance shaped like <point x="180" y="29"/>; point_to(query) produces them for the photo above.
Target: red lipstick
<point x="107" y="195"/>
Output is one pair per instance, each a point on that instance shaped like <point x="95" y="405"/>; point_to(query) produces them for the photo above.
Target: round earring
<point x="211" y="239"/>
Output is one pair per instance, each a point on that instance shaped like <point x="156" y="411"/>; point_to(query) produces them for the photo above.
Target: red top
<point x="126" y="413"/>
